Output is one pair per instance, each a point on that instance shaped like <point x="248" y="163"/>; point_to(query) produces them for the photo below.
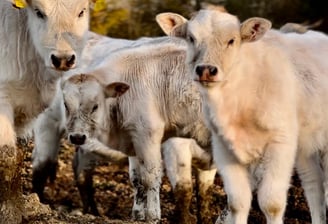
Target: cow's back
<point x="308" y="53"/>
<point x="159" y="84"/>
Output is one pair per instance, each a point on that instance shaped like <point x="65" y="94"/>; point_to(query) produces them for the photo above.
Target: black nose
<point x="201" y="69"/>
<point x="63" y="63"/>
<point x="77" y="139"/>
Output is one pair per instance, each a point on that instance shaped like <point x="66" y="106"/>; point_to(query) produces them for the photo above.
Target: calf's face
<point x="58" y="29"/>
<point x="84" y="99"/>
<point x="214" y="39"/>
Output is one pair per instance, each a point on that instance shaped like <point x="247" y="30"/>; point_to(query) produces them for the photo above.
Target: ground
<point x="114" y="196"/>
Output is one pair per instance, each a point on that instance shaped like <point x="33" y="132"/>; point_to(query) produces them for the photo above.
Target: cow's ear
<point x="172" y="24"/>
<point x="19" y="4"/>
<point x="254" y="28"/>
<point x="116" y="89"/>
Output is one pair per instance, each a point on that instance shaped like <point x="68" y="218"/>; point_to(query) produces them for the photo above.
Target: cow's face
<point x="214" y="39"/>
<point x="58" y="30"/>
<point x="84" y="100"/>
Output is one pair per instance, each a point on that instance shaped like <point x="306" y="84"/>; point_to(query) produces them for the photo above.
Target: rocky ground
<point x="114" y="197"/>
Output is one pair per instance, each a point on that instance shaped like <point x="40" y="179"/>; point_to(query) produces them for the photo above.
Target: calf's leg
<point x="177" y="159"/>
<point x="278" y="163"/>
<point x="236" y="184"/>
<point x="47" y="134"/>
<point x="83" y="167"/>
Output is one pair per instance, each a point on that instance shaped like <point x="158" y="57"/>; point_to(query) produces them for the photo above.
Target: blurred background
<point x="132" y="19"/>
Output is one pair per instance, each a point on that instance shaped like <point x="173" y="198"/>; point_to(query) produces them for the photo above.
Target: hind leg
<point x="205" y="179"/>
<point x="310" y="173"/>
<point x="177" y="159"/>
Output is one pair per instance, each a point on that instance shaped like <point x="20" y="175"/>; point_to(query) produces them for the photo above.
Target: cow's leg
<point x="310" y="173"/>
<point x="278" y="163"/>
<point x="236" y="184"/>
<point x="177" y="160"/>
<point x="138" y="210"/>
<point x="205" y="179"/>
<point x="47" y="134"/>
<point x="11" y="162"/>
<point x="147" y="145"/>
<point x="83" y="167"/>
<point x="324" y="160"/>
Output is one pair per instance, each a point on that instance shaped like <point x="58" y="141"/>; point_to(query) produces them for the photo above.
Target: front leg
<point x="236" y="184"/>
<point x="11" y="162"/>
<point x="147" y="145"/>
<point x="83" y="167"/>
<point x="138" y="210"/>
<point x="48" y="131"/>
<point x="278" y="163"/>
<point x="96" y="148"/>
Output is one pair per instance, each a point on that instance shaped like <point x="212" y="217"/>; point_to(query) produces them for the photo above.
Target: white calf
<point x="37" y="43"/>
<point x="266" y="96"/>
<point x="153" y="109"/>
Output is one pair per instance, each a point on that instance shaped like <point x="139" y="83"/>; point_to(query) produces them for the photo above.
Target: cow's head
<point x="58" y="29"/>
<point x="84" y="99"/>
<point x="214" y="39"/>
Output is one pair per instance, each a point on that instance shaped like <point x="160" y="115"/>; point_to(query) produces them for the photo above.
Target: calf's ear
<point x="254" y="28"/>
<point x="116" y="89"/>
<point x="172" y="24"/>
<point x="19" y="4"/>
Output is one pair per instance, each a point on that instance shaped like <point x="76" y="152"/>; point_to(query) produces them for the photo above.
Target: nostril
<point x="213" y="70"/>
<point x="199" y="70"/>
<point x="55" y="61"/>
<point x="77" y="139"/>
<point x="70" y="61"/>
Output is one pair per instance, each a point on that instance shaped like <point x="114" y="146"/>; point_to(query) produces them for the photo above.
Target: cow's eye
<point x="81" y="14"/>
<point x="94" y="108"/>
<point x="191" y="39"/>
<point x="231" y="41"/>
<point x="39" y="14"/>
<point x="66" y="107"/>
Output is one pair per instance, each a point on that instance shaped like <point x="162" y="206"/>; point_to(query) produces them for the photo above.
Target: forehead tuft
<point x="213" y="19"/>
<point x="81" y="78"/>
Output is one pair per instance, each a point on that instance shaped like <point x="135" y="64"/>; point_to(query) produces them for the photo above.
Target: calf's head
<point x="58" y="29"/>
<point x="214" y="39"/>
<point x="84" y="99"/>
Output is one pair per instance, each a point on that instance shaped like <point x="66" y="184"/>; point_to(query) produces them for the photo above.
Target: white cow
<point x="37" y="43"/>
<point x="152" y="110"/>
<point x="266" y="96"/>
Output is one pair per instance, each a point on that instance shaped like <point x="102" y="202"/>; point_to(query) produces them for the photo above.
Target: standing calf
<point x="267" y="97"/>
<point x="152" y="110"/>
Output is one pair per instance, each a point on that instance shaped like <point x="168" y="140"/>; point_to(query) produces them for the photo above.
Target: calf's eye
<point x="39" y="14"/>
<point x="191" y="39"/>
<point x="81" y="14"/>
<point x="231" y="42"/>
<point x="94" y="108"/>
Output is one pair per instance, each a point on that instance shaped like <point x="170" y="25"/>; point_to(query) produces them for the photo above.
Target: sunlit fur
<point x="267" y="106"/>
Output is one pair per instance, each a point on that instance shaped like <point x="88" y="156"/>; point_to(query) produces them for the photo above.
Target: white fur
<point x="26" y="82"/>
<point x="267" y="99"/>
<point x="154" y="105"/>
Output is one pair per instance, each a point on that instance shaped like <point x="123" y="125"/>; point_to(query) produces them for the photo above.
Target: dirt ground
<point x="114" y="196"/>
